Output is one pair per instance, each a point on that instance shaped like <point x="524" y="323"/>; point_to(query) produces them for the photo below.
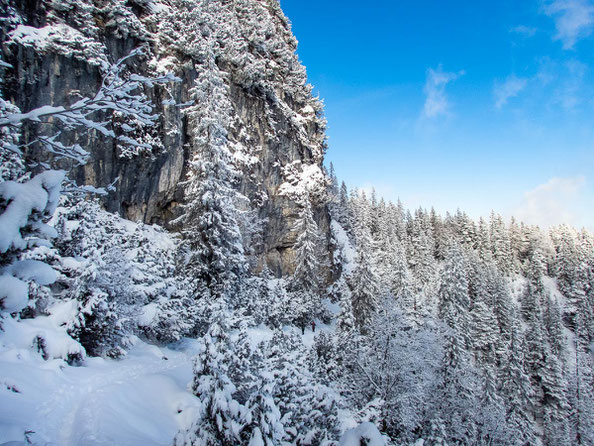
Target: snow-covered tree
<point x="517" y="391"/>
<point x="454" y="301"/>
<point x="308" y="408"/>
<point x="395" y="369"/>
<point x="209" y="222"/>
<point x="264" y="418"/>
<point x="500" y="244"/>
<point x="27" y="201"/>
<point x="307" y="251"/>
<point x="220" y="420"/>
<point x="364" y="285"/>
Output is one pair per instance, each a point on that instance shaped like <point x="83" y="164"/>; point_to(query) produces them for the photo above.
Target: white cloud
<point x="565" y="83"/>
<point x="571" y="90"/>
<point x="554" y="202"/>
<point x="574" y="19"/>
<point x="523" y="30"/>
<point x="510" y="88"/>
<point x="436" y="102"/>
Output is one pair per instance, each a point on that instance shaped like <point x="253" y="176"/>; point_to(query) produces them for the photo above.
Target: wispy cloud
<point x="553" y="203"/>
<point x="571" y="92"/>
<point x="565" y="83"/>
<point x="574" y="20"/>
<point x="508" y="89"/>
<point x="523" y="30"/>
<point x="436" y="101"/>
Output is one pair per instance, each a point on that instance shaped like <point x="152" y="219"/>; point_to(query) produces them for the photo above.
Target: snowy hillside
<point x="141" y="399"/>
<point x="178" y="268"/>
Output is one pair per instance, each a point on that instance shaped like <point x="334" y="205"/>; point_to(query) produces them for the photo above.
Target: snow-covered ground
<point x="142" y="399"/>
<point x="139" y="400"/>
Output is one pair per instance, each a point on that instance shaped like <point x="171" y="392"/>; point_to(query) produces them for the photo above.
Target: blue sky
<point x="474" y="105"/>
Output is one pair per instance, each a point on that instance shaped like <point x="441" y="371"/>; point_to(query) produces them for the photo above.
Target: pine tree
<point x="457" y="399"/>
<point x="517" y="392"/>
<point x="308" y="411"/>
<point x="483" y="242"/>
<point x="502" y="302"/>
<point x="440" y="235"/>
<point x="400" y="221"/>
<point x="333" y="181"/>
<point x="466" y="230"/>
<point x="517" y="243"/>
<point x="393" y="267"/>
<point x="554" y="326"/>
<point x="454" y="301"/>
<point x="264" y="425"/>
<point x="554" y="403"/>
<point x="363" y="282"/>
<point x="343" y="209"/>
<point x="246" y="364"/>
<point x="534" y="295"/>
<point x="213" y="242"/>
<point x="567" y="269"/>
<point x="219" y="421"/>
<point x="307" y="252"/>
<point x="345" y="321"/>
<point x="500" y="244"/>
<point x="484" y="331"/>
<point x="420" y="251"/>
<point x="582" y="387"/>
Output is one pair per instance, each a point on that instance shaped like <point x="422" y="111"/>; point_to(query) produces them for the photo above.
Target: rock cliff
<point x="59" y="49"/>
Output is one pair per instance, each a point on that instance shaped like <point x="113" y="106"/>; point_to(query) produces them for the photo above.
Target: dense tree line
<point x="509" y="312"/>
<point x="435" y="328"/>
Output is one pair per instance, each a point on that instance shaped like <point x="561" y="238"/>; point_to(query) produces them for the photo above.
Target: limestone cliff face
<point x="58" y="49"/>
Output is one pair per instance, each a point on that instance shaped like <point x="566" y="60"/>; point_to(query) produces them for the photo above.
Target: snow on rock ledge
<point x="62" y="39"/>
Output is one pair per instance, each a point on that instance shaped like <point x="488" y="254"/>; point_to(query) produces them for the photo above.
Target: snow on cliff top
<point x="62" y="39"/>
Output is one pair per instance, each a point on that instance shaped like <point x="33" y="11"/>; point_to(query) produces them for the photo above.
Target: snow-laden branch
<point x="29" y="202"/>
<point x="118" y="93"/>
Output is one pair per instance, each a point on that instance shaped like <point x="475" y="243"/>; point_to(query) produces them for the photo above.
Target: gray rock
<point x="149" y="187"/>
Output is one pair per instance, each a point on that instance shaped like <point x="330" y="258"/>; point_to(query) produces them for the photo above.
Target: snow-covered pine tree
<point x="31" y="185"/>
<point x="483" y="242"/>
<point x="421" y="247"/>
<point x="500" y="244"/>
<point x="554" y="327"/>
<point x="308" y="409"/>
<point x="345" y="320"/>
<point x="516" y="391"/>
<point x="581" y="394"/>
<point x="485" y="334"/>
<point x="393" y="267"/>
<point x="454" y="301"/>
<point x="534" y="294"/>
<point x="209" y="222"/>
<point x="264" y="425"/>
<point x="566" y="268"/>
<point x="221" y="417"/>
<point x="555" y="406"/>
<point x="307" y="251"/>
<point x="343" y="210"/>
<point x="363" y="282"/>
<point x="306" y="283"/>
<point x="503" y="305"/>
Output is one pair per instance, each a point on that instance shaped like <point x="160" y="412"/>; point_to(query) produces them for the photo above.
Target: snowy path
<point x="139" y="400"/>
